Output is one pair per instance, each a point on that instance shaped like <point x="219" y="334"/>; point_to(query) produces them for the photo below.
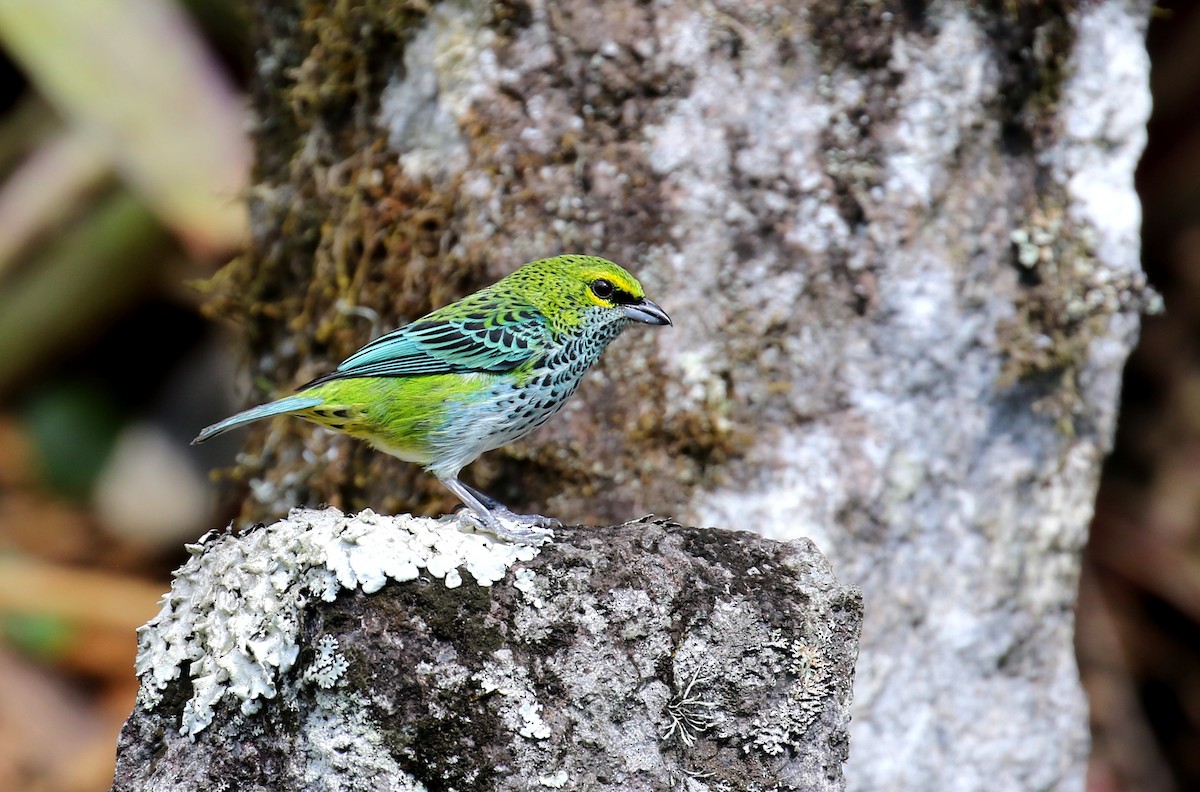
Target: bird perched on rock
<point x="474" y="375"/>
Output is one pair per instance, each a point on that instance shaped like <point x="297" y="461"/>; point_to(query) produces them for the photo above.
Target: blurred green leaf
<point x="73" y="427"/>
<point x="42" y="636"/>
<point x="135" y="75"/>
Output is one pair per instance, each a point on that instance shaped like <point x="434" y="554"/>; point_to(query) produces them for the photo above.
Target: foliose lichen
<point x="782" y="725"/>
<point x="329" y="665"/>
<point x="230" y="623"/>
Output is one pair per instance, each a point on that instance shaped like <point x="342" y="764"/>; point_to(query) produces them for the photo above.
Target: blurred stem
<point x="24" y="127"/>
<point x="137" y="76"/>
<point x="227" y="24"/>
<point x="47" y="186"/>
<point x="91" y="270"/>
<point x="78" y="596"/>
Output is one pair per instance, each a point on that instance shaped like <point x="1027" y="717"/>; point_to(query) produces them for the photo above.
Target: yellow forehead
<point x="617" y="277"/>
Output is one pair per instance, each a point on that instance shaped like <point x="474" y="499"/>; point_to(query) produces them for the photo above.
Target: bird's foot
<point x="535" y="520"/>
<point x="531" y="529"/>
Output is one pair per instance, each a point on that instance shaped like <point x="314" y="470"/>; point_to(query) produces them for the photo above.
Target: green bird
<point x="475" y="374"/>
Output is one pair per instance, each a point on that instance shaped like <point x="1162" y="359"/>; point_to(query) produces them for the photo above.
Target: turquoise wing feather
<point x="476" y="336"/>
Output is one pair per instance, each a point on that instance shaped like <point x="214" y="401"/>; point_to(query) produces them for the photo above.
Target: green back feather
<point x="495" y="330"/>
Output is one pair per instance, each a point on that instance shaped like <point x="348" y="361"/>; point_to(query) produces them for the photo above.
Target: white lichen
<point x="555" y="780"/>
<point x="232" y="616"/>
<point x="771" y="662"/>
<point x="343" y="749"/>
<point x="525" y="581"/>
<point x="532" y="725"/>
<point x="328" y="666"/>
<point x="685" y="779"/>
<point x="424" y="110"/>
<point x="690" y="712"/>
<point x="520" y="711"/>
<point x="1058" y="248"/>
<point x="786" y="721"/>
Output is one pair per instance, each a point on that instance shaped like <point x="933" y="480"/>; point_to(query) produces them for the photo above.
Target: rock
<point x="338" y="652"/>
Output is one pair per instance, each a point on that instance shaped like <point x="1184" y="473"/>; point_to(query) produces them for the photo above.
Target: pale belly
<point x="449" y="435"/>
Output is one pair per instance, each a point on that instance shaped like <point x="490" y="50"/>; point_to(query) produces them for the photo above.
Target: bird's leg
<point x="489" y="503"/>
<point x="498" y="521"/>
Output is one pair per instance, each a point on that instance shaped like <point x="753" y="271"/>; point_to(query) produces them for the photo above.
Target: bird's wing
<point x="485" y="337"/>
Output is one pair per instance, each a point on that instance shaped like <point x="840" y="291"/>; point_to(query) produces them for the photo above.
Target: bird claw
<point x="535" y="520"/>
<point x="531" y="529"/>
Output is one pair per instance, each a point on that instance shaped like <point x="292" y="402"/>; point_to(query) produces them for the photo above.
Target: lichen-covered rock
<point x="350" y="652"/>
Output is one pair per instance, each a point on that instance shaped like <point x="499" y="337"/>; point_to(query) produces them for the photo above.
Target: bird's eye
<point x="603" y="289"/>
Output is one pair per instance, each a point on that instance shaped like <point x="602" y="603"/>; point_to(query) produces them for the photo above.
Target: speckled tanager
<point x="475" y="375"/>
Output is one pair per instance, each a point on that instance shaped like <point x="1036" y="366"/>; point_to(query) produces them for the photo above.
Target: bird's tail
<point x="285" y="405"/>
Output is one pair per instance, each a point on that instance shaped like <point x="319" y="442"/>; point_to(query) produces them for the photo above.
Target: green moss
<point x="455" y="615"/>
<point x="437" y="750"/>
<point x="859" y="33"/>
<point x="432" y="743"/>
<point x="1032" y="42"/>
<point x="1065" y="301"/>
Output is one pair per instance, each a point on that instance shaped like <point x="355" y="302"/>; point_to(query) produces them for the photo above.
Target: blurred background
<point x="124" y="160"/>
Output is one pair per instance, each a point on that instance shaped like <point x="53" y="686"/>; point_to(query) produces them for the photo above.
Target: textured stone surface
<point x="639" y="657"/>
<point x="900" y="244"/>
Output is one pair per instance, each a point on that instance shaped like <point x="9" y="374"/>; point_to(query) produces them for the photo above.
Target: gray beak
<point x="647" y="312"/>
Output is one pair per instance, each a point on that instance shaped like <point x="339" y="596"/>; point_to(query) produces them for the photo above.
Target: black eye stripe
<point x="605" y="290"/>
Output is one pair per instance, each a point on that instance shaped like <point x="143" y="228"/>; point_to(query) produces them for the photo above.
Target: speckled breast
<point x="553" y="382"/>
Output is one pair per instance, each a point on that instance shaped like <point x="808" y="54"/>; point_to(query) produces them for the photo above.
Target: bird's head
<point x="575" y="291"/>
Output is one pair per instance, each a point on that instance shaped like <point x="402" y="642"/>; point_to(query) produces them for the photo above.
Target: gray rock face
<point x="646" y="656"/>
